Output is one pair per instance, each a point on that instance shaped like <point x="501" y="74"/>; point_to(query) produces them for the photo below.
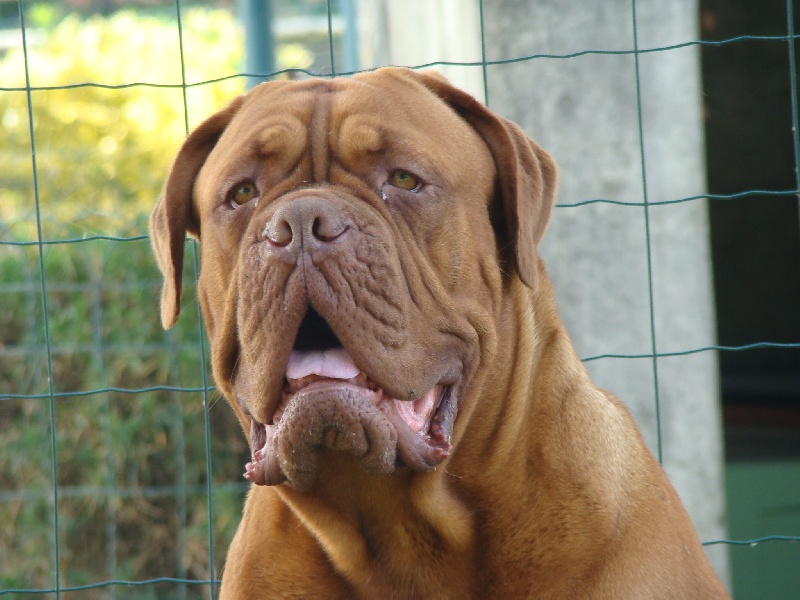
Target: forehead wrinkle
<point x="281" y="134"/>
<point x="319" y="132"/>
<point x="412" y="127"/>
<point x="357" y="136"/>
<point x="273" y="105"/>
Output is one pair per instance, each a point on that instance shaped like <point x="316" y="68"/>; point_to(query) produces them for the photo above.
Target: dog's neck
<point x="529" y="326"/>
<point x="377" y="531"/>
<point x="416" y="526"/>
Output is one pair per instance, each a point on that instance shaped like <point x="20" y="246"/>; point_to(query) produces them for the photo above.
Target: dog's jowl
<point x="383" y="327"/>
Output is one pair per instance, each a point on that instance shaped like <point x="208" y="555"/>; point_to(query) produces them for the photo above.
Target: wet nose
<point x="305" y="225"/>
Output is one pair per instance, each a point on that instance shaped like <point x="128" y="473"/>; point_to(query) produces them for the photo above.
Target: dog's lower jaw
<point x="329" y="415"/>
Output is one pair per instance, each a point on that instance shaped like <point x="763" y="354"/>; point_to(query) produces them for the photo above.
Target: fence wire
<point x="56" y="492"/>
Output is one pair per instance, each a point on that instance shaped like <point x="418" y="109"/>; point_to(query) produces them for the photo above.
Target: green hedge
<point x="131" y="466"/>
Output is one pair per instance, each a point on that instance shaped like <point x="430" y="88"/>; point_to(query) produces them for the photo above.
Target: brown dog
<point x="383" y="327"/>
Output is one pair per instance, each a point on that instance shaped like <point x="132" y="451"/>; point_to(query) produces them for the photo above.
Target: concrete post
<point x="420" y="32"/>
<point x="584" y="111"/>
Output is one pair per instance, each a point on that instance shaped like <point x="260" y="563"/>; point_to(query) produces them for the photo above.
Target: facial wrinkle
<point x="319" y="134"/>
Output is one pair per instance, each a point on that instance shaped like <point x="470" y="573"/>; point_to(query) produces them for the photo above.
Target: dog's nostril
<point x="325" y="230"/>
<point x="279" y="232"/>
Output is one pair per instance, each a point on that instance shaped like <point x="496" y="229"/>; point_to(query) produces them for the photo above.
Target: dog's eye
<point x="405" y="181"/>
<point x="243" y="193"/>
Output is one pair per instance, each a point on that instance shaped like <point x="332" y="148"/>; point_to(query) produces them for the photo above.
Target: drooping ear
<point x="173" y="218"/>
<point x="527" y="174"/>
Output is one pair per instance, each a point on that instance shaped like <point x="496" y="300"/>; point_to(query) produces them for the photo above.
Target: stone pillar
<point x="583" y="110"/>
<point x="410" y="33"/>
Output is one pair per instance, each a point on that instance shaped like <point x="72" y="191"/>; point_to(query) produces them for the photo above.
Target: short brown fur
<point x="548" y="490"/>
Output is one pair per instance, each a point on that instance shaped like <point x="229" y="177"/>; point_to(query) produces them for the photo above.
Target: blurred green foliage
<point x="131" y="466"/>
<point x="102" y="153"/>
<point x="132" y="472"/>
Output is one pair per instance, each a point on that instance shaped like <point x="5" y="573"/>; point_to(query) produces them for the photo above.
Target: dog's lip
<point x="335" y="367"/>
<point x="416" y="415"/>
<point x="424" y="425"/>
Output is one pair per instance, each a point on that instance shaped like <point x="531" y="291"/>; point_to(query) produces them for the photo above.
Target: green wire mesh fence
<point x="117" y="451"/>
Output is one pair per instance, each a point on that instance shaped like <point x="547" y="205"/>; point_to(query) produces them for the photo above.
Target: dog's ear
<point x="527" y="174"/>
<point x="173" y="217"/>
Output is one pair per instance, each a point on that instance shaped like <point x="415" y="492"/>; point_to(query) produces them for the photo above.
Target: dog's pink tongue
<point x="335" y="363"/>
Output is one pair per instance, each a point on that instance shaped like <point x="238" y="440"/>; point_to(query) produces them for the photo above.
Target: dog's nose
<point x="305" y="225"/>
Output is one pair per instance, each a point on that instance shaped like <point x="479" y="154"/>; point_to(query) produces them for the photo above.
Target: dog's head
<point x="357" y="236"/>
